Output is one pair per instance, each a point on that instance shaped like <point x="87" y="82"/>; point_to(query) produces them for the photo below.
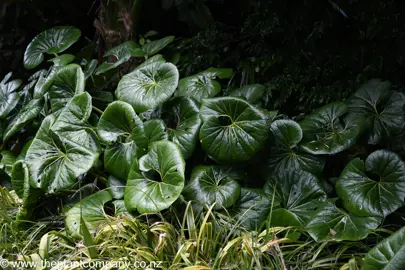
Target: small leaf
<point x="116" y="187"/>
<point x="155" y="46"/>
<point x="252" y="93"/>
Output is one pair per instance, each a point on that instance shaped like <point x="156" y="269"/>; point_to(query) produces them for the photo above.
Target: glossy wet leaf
<point x="51" y="41"/>
<point x="91" y="210"/>
<point x="233" y="130"/>
<point x="55" y="162"/>
<point x="116" y="187"/>
<point x="8" y="95"/>
<point x="285" y="155"/>
<point x="375" y="187"/>
<point x="155" y="130"/>
<point x="62" y="60"/>
<point x="198" y="86"/>
<point x="155" y="46"/>
<point x="147" y="87"/>
<point x="118" y="120"/>
<point x="296" y="195"/>
<point x="251" y="209"/>
<point x="332" y="223"/>
<point x="183" y="123"/>
<point x="157" y="181"/>
<point x="389" y="254"/>
<point x="214" y="184"/>
<point x="119" y="54"/>
<point x="118" y="158"/>
<point x="330" y="130"/>
<point x="67" y="82"/>
<point x="222" y="73"/>
<point x="23" y="117"/>
<point x="382" y="107"/>
<point x="252" y="92"/>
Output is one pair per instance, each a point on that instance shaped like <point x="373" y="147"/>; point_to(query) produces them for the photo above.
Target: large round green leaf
<point x="389" y="254"/>
<point x="149" y="86"/>
<point x="90" y="210"/>
<point x="251" y="209"/>
<point x="116" y="187"/>
<point x="56" y="161"/>
<point x="332" y="223"/>
<point x="51" y="41"/>
<point x="284" y="153"/>
<point x="183" y="123"/>
<point x="8" y="95"/>
<point x="295" y="195"/>
<point x="214" y="184"/>
<point x="330" y="130"/>
<point x="373" y="188"/>
<point x="252" y="92"/>
<point x="28" y="113"/>
<point x="383" y="108"/>
<point x="233" y="130"/>
<point x="67" y="82"/>
<point x="118" y="120"/>
<point x="199" y="87"/>
<point x="157" y="181"/>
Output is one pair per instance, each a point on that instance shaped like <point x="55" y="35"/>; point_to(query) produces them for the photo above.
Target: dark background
<point x="307" y="53"/>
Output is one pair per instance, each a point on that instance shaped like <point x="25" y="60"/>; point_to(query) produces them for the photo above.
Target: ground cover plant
<point x="98" y="162"/>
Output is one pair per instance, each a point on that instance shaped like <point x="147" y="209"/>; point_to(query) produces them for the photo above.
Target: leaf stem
<point x="97" y="110"/>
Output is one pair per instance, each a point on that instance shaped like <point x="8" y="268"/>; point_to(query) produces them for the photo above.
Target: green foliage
<point x="171" y="148"/>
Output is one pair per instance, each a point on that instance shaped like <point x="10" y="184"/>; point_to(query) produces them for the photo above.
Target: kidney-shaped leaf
<point x="214" y="184"/>
<point x="232" y="130"/>
<point x="382" y="107"/>
<point x="157" y="181"/>
<point x="373" y="188"/>
<point x="329" y="130"/>
<point x="251" y="209"/>
<point x="284" y="153"/>
<point x="51" y="41"/>
<point x="183" y="123"/>
<point x="67" y="82"/>
<point x="332" y="223"/>
<point x="55" y="161"/>
<point x="149" y="86"/>
<point x="295" y="195"/>
<point x="90" y="210"/>
<point x="389" y="254"/>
